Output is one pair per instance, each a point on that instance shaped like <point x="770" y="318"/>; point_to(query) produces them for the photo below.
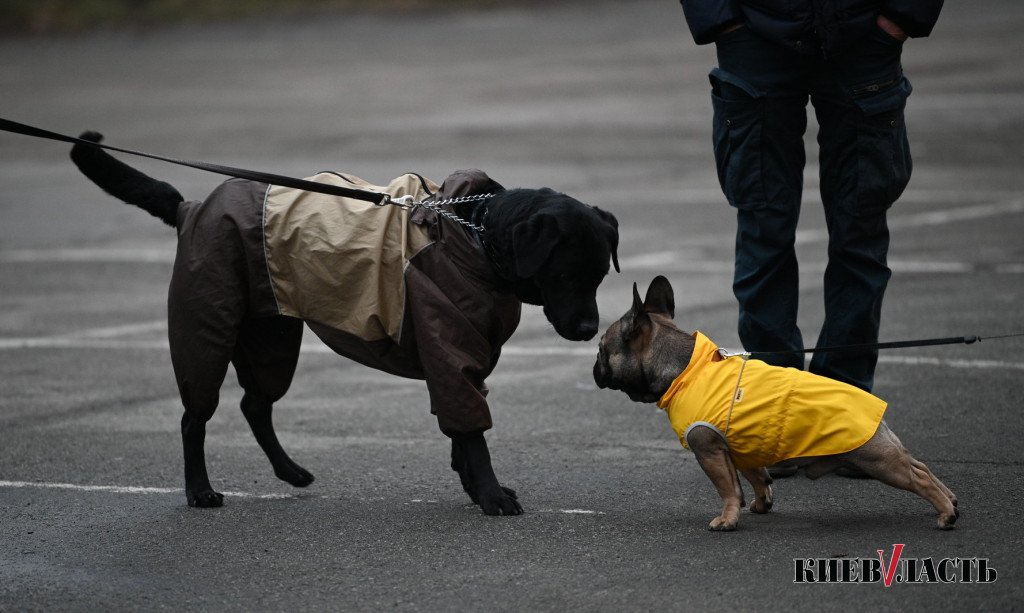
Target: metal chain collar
<point x="406" y="202"/>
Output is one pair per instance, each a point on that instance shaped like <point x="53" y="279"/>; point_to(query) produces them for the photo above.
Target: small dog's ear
<point x="660" y="298"/>
<point x="532" y="243"/>
<point x="615" y="250"/>
<point x="637" y="321"/>
<point x="613" y="235"/>
<point x="638" y="304"/>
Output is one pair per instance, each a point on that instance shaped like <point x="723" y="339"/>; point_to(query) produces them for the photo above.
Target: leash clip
<point x="732" y="353"/>
<point x="404" y="202"/>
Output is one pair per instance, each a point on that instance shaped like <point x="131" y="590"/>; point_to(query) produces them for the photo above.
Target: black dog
<point x="255" y="261"/>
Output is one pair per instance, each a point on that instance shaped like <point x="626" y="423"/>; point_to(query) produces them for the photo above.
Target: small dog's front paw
<point x="946" y="520"/>
<point x="721" y="524"/>
<point x="761" y="506"/>
<point x="205" y="499"/>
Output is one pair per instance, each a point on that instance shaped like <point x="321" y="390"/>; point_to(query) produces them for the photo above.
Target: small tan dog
<point x="735" y="413"/>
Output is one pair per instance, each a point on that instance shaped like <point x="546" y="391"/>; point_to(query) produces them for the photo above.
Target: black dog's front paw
<point x="205" y="499"/>
<point x="472" y="461"/>
<point x="294" y="474"/>
<point x="498" y="501"/>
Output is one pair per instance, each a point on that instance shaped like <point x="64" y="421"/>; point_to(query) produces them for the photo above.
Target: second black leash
<point x="950" y="340"/>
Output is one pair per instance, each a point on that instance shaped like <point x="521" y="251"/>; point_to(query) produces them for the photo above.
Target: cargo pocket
<point x="736" y="133"/>
<point x="883" y="151"/>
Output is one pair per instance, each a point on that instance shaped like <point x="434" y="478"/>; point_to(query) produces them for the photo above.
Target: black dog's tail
<point x="124" y="182"/>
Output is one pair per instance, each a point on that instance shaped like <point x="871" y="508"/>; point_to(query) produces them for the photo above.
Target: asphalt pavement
<point x="607" y="101"/>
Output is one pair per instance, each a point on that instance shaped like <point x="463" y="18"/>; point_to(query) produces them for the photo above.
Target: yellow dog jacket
<point x="768" y="414"/>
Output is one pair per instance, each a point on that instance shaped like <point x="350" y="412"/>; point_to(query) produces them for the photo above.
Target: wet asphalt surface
<point x="605" y="101"/>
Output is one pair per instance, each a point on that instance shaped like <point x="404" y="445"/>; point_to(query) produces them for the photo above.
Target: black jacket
<point x="809" y="26"/>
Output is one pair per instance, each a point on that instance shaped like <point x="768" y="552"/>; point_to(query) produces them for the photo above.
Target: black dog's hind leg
<point x="198" y="491"/>
<point x="202" y="335"/>
<point x="200" y="364"/>
<point x="200" y="375"/>
<point x="472" y="460"/>
<point x="257" y="412"/>
<point x="265" y="357"/>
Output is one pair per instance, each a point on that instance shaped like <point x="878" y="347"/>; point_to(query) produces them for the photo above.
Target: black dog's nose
<point x="576" y="329"/>
<point x="586" y="330"/>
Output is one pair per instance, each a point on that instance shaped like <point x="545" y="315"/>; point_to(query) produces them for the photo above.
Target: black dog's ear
<point x="613" y="234"/>
<point x="637" y="320"/>
<point x="660" y="298"/>
<point x="532" y="243"/>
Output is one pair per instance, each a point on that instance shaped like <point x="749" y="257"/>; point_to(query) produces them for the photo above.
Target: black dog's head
<point x="642" y="352"/>
<point x="559" y="254"/>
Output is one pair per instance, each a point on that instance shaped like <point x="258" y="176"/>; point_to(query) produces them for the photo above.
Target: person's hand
<point x="891" y="28"/>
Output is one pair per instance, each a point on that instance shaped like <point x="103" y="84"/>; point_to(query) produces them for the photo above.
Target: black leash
<point x="951" y="340"/>
<point x="240" y="173"/>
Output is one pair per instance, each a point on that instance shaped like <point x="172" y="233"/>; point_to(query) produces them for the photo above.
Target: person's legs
<point x="759" y="93"/>
<point x="859" y="99"/>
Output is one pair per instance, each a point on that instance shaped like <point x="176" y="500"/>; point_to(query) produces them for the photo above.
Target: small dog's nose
<point x="599" y="375"/>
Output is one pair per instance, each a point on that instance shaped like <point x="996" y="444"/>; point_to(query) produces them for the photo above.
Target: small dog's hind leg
<point x="713" y="456"/>
<point x="762" y="483"/>
<point x="885" y="458"/>
<point x="265" y="357"/>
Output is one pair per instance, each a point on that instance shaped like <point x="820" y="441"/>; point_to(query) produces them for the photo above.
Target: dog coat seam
<point x="263" y="238"/>
<point x="706" y="424"/>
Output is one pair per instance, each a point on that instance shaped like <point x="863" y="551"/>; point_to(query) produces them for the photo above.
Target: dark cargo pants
<point x="760" y="92"/>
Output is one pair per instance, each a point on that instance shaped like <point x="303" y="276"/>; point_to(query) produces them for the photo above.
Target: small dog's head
<point x="560" y="255"/>
<point x="643" y="352"/>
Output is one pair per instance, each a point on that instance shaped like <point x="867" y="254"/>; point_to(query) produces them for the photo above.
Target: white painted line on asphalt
<point x="60" y="342"/>
<point x="133" y="489"/>
<point x="115" y="331"/>
<point x="910" y="360"/>
<point x="126" y="489"/>
<point x="930" y="218"/>
<point x="820" y="235"/>
<point x="964" y="213"/>
<point x="678" y="194"/>
<point x="911" y="266"/>
<point x="671" y="261"/>
<point x="87" y="255"/>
